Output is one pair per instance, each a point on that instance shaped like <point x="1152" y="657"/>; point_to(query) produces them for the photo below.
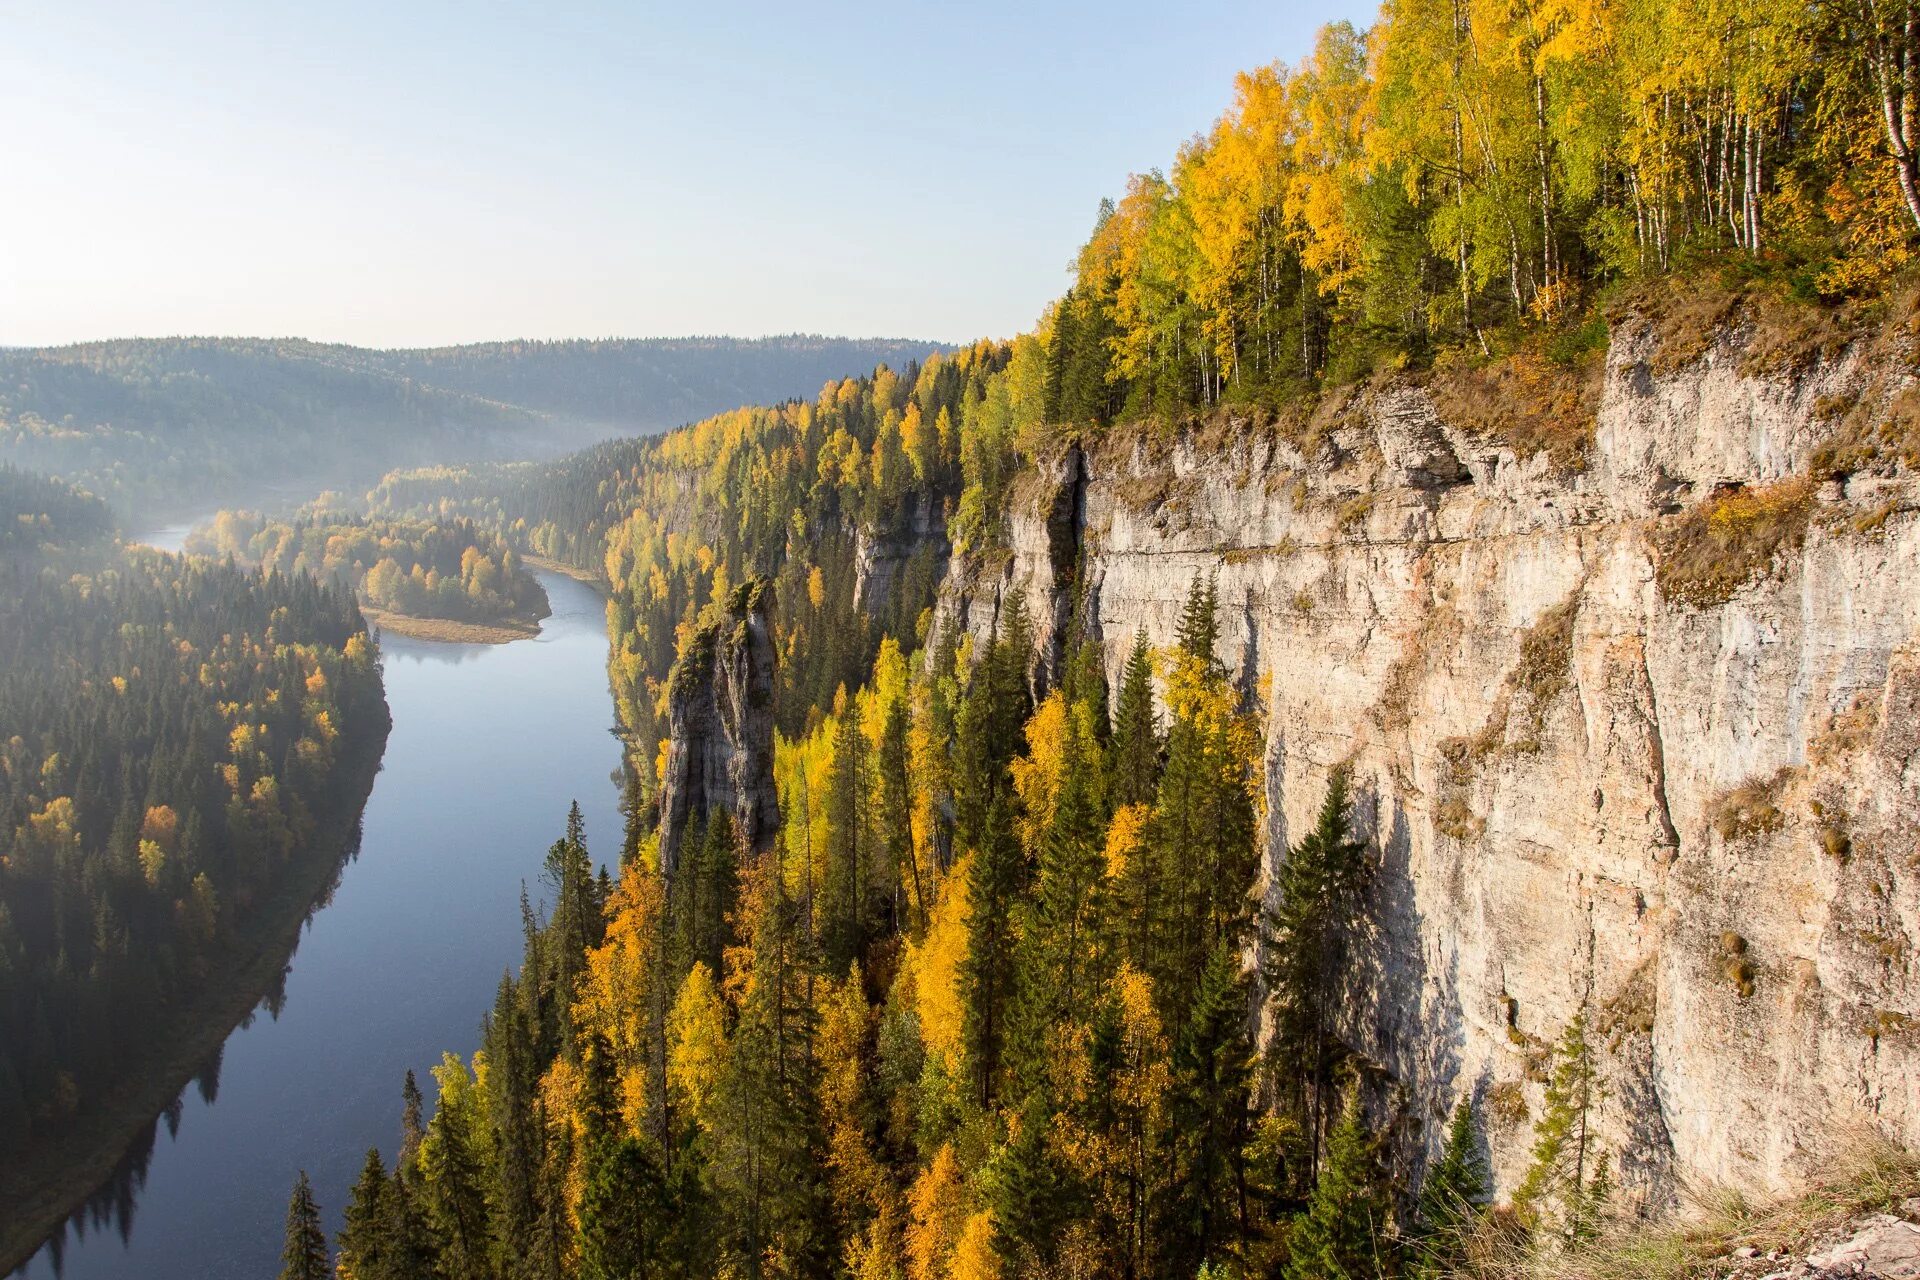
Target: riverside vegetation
<point x="994" y="995"/>
<point x="409" y="573"/>
<point x="182" y="739"/>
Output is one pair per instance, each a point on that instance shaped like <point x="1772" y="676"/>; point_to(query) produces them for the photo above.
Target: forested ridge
<point x="456" y="570"/>
<point x="172" y="734"/>
<point x="997" y="998"/>
<point x="158" y="425"/>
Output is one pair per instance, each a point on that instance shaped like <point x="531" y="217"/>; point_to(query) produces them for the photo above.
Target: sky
<point x="416" y="174"/>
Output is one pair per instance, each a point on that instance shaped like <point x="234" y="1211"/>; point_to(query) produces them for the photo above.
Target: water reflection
<point x="489" y="745"/>
<point x="112" y="1203"/>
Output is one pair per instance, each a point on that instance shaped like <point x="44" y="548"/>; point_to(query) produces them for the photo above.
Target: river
<point x="489" y="744"/>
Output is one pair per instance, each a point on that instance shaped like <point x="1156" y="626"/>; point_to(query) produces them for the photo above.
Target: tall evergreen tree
<point x="1319" y="890"/>
<point x="1199" y="630"/>
<point x="1568" y="1183"/>
<point x="1457" y="1187"/>
<point x="1343" y="1233"/>
<point x="304" y="1257"/>
<point x="1205" y="1202"/>
<point x="846" y="899"/>
<point x="368" y="1249"/>
<point x="412" y="1128"/>
<point x="1135" y="757"/>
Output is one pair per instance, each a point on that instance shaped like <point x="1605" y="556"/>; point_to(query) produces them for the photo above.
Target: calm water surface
<point x="489" y="744"/>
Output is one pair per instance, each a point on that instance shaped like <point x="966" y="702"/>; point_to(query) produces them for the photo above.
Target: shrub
<point x="1528" y="402"/>
<point x="1751" y="808"/>
<point x="1710" y="552"/>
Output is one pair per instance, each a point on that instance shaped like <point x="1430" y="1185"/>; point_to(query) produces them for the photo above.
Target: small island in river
<point x="450" y="581"/>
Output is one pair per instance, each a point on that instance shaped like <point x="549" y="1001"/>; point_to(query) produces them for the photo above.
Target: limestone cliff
<point x="1637" y="724"/>
<point x="719" y="745"/>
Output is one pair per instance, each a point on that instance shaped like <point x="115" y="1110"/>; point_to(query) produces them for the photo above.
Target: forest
<point x="159" y="426"/>
<point x="997" y="999"/>
<point x="177" y="731"/>
<point x="456" y="571"/>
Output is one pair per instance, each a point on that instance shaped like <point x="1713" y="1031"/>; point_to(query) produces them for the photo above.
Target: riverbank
<point x="587" y="576"/>
<point x="450" y="630"/>
<point x="47" y="1186"/>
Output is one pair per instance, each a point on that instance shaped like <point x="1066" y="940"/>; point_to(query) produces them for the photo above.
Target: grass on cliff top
<point x="1869" y="1175"/>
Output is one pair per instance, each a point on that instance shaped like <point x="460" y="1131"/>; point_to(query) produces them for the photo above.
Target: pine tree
<point x="1066" y="935"/>
<point x="1212" y="1072"/>
<point x="895" y="820"/>
<point x="1568" y="1182"/>
<point x="1032" y="1193"/>
<point x="1320" y="887"/>
<point x="846" y="893"/>
<point x="1457" y="1186"/>
<point x="412" y="1130"/>
<point x="988" y="971"/>
<point x="367" y="1247"/>
<point x="623" y="1214"/>
<point x="304" y="1256"/>
<point x="1135" y="756"/>
<point x="1342" y="1233"/>
<point x="1199" y="630"/>
<point x="453" y="1196"/>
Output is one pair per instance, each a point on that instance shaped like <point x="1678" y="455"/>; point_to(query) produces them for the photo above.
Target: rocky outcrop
<point x="719" y="746"/>
<point x="1693" y="813"/>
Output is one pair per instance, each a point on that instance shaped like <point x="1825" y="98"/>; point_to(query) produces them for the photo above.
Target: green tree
<point x="1569" y="1180"/>
<point x="1319" y="890"/>
<point x="1205" y="1203"/>
<point x="624" y="1214"/>
<point x="1135" y="756"/>
<point x="368" y="1250"/>
<point x="304" y="1257"/>
<point x="1343" y="1231"/>
<point x="1457" y="1187"/>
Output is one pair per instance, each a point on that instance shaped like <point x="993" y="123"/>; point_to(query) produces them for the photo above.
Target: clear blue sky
<point x="408" y="174"/>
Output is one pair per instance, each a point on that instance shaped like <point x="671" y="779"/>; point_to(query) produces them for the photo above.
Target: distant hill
<point x="158" y="426"/>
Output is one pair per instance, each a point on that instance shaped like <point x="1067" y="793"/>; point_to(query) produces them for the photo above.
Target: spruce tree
<point x="412" y="1129"/>
<point x="304" y="1256"/>
<point x="1568" y="1183"/>
<point x="988" y="970"/>
<point x="367" y="1245"/>
<point x="1457" y="1186"/>
<point x="1033" y="1194"/>
<point x="1135" y="755"/>
<point x="1320" y="887"/>
<point x="1199" y="629"/>
<point x="1210" y="1094"/>
<point x="845" y="899"/>
<point x="453" y="1191"/>
<point x="1342" y="1234"/>
<point x="895" y="820"/>
<point x="624" y="1214"/>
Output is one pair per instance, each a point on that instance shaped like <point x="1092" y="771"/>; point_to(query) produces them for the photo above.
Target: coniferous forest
<point x="178" y="734"/>
<point x="998" y="996"/>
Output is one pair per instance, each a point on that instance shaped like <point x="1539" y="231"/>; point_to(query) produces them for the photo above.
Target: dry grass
<point x="1531" y="404"/>
<point x="1875" y="434"/>
<point x="1774" y="335"/>
<point x="1735" y="965"/>
<point x="1750" y="809"/>
<point x="1869" y="1175"/>
<point x="1456" y="820"/>
<point x="1708" y="553"/>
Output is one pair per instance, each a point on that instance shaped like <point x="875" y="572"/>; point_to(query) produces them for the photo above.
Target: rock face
<point x="1694" y="815"/>
<point x="720" y="729"/>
